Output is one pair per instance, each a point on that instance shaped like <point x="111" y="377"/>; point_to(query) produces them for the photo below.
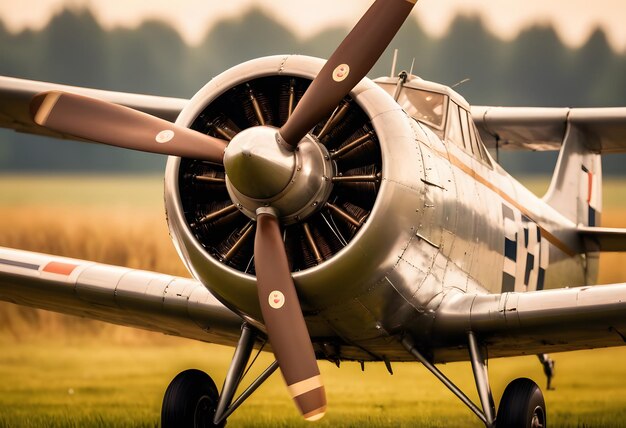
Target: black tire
<point x="522" y="406"/>
<point x="190" y="401"/>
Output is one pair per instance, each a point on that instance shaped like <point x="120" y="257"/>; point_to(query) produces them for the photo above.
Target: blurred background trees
<point x="535" y="69"/>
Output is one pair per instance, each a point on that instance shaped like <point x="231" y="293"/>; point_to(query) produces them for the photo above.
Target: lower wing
<point x="136" y="298"/>
<point x="533" y="322"/>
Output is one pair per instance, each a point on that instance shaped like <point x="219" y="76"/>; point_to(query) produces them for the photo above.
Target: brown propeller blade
<point x="120" y="126"/>
<point x="284" y="320"/>
<point x="350" y="62"/>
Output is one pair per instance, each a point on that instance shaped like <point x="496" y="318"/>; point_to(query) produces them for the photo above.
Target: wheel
<point x="522" y="406"/>
<point x="190" y="401"/>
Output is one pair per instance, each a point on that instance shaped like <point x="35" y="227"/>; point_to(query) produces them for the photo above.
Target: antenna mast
<point x="393" y="63"/>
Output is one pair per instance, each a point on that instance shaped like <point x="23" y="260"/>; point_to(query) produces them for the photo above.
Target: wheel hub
<point x="538" y="418"/>
<point x="261" y="171"/>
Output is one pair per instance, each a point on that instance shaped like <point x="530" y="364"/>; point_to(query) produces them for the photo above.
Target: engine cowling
<point x="344" y="236"/>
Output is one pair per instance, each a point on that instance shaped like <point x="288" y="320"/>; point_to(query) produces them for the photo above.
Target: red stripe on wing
<point x="60" y="268"/>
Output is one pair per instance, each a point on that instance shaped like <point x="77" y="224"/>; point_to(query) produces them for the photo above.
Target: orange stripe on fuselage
<point x="472" y="173"/>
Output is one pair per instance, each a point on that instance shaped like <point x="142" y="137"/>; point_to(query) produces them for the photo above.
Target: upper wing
<point x="534" y="322"/>
<point x="533" y="128"/>
<point x="147" y="300"/>
<point x="16" y="95"/>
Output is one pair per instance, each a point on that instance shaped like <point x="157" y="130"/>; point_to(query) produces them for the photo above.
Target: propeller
<point x="112" y="124"/>
<point x="350" y="62"/>
<point x="283" y="318"/>
<point x="120" y="126"/>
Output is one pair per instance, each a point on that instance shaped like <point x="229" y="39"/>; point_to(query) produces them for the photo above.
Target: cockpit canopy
<point x="425" y="106"/>
<point x="440" y="108"/>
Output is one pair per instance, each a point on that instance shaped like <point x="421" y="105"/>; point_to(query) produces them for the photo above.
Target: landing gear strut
<point x="522" y="403"/>
<point x="548" y="369"/>
<point x="191" y="399"/>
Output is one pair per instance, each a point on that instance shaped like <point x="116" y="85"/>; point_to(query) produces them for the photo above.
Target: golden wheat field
<point x="58" y="370"/>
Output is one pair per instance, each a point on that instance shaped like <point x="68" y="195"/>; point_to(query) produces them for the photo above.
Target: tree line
<point x="535" y="69"/>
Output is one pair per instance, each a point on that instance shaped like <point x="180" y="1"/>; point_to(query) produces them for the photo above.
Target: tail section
<point x="576" y="191"/>
<point x="576" y="186"/>
<point x="581" y="135"/>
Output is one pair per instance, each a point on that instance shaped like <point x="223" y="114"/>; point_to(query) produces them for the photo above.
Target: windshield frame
<point x="409" y="106"/>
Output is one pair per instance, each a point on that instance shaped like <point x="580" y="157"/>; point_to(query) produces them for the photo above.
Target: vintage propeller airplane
<point x="340" y="218"/>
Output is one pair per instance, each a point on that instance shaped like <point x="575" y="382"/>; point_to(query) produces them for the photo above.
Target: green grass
<point x="47" y="383"/>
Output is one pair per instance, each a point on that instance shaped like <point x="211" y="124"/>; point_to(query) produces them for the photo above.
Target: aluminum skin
<point x="426" y="238"/>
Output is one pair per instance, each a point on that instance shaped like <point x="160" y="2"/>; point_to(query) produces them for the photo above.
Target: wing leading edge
<point x="533" y="322"/>
<point x="136" y="298"/>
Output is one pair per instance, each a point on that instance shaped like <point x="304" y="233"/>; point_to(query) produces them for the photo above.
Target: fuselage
<point x="501" y="235"/>
<point x="447" y="220"/>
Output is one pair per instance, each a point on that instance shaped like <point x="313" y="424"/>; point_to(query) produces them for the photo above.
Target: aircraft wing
<point x="534" y="322"/>
<point x="603" y="238"/>
<point x="16" y="95"/>
<point x="537" y="129"/>
<point x="130" y="297"/>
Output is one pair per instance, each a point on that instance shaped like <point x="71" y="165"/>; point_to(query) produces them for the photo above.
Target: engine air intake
<point x="220" y="224"/>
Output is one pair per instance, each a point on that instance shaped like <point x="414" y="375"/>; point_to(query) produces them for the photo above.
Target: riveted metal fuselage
<point x="443" y="223"/>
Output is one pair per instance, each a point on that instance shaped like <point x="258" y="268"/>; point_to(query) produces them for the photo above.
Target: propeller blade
<point x="350" y="62"/>
<point x="284" y="320"/>
<point x="120" y="126"/>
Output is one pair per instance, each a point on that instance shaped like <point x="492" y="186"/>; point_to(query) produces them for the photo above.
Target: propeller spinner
<point x="263" y="175"/>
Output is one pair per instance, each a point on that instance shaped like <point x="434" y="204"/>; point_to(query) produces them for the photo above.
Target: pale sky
<point x="574" y="20"/>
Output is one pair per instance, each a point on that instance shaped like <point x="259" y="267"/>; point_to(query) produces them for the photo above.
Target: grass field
<point x="63" y="371"/>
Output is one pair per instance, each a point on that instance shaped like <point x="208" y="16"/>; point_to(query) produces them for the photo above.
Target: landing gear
<point x="192" y="401"/>
<point x="548" y="369"/>
<point x="522" y="403"/>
